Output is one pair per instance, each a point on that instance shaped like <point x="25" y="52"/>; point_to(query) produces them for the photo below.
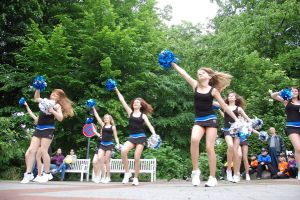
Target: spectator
<point x="282" y="168"/>
<point x="275" y="147"/>
<point x="70" y="159"/>
<point x="264" y="161"/>
<point x="57" y="160"/>
<point x="292" y="167"/>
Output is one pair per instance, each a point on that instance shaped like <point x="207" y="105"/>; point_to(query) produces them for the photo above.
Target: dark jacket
<point x="279" y="145"/>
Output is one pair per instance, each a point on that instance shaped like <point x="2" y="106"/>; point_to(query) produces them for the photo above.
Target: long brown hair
<point x="239" y="101"/>
<point x="65" y="103"/>
<point x="219" y="80"/>
<point x="298" y="91"/>
<point x="146" y="108"/>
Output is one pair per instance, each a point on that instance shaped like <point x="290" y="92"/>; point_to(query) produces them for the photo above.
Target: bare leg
<point x="45" y="144"/>
<point x="101" y="157"/>
<point x="295" y="139"/>
<point x="96" y="165"/>
<point x="107" y="163"/>
<point x="31" y="152"/>
<point x="211" y="134"/>
<point x="197" y="134"/>
<point x="137" y="155"/>
<point x="125" y="149"/>
<point x="230" y="150"/>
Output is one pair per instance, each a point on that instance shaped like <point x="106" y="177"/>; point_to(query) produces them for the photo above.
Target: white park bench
<point x="146" y="166"/>
<point x="81" y="166"/>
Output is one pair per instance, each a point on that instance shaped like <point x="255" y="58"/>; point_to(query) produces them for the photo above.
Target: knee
<point x="30" y="152"/>
<point x="230" y="147"/>
<point x="124" y="152"/>
<point x="210" y="149"/>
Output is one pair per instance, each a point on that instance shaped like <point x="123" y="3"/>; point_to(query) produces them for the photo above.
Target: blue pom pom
<point x="286" y="94"/>
<point x="110" y="84"/>
<point x="91" y="103"/>
<point x="263" y="135"/>
<point x="22" y="101"/>
<point x="165" y="58"/>
<point x="89" y="120"/>
<point x="39" y="83"/>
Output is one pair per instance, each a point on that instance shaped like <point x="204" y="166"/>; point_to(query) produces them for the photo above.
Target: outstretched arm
<point x="275" y="95"/>
<point x="216" y="94"/>
<point x="115" y="135"/>
<point x="33" y="116"/>
<point x="242" y="112"/>
<point x="185" y="75"/>
<point x="125" y="105"/>
<point x="147" y="122"/>
<point x="97" y="117"/>
<point x="37" y="96"/>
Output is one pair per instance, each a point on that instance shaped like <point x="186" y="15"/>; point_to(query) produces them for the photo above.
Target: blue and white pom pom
<point x="263" y="135"/>
<point x="89" y="120"/>
<point x="154" y="142"/>
<point x="22" y="101"/>
<point x="45" y="105"/>
<point x="165" y="58"/>
<point x="39" y="83"/>
<point x="90" y="103"/>
<point x="110" y="84"/>
<point x="257" y="123"/>
<point x="286" y="94"/>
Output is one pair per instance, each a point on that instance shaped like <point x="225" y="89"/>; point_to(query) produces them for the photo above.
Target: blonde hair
<point x="219" y="80"/>
<point x="112" y="122"/>
<point x="64" y="102"/>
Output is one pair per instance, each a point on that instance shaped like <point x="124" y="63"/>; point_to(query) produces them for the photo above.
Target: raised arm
<point x="185" y="75"/>
<point x="125" y="105"/>
<point x="37" y="96"/>
<point x="217" y="96"/>
<point x="97" y="117"/>
<point x="275" y="95"/>
<point x="33" y="116"/>
<point x="147" y="122"/>
<point x="115" y="135"/>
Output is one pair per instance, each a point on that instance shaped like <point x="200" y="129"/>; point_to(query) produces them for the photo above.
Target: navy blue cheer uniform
<point x="45" y="126"/>
<point x="136" y="130"/>
<point x="293" y="118"/>
<point x="204" y="113"/>
<point x="106" y="141"/>
<point x="228" y="120"/>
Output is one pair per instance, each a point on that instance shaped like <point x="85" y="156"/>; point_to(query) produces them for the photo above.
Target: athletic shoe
<point x="49" y="176"/>
<point x="96" y="179"/>
<point x="229" y="175"/>
<point x="27" y="178"/>
<point x="212" y="182"/>
<point x="135" y="181"/>
<point x="38" y="179"/>
<point x="236" y="179"/>
<point x="248" y="177"/>
<point x="106" y="180"/>
<point x="126" y="177"/>
<point x="196" y="177"/>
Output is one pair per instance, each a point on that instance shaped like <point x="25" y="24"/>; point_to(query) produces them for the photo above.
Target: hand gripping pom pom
<point x="165" y="58"/>
<point x="91" y="103"/>
<point x="236" y="127"/>
<point x="245" y="132"/>
<point x="39" y="83"/>
<point x="22" y="101"/>
<point x="263" y="135"/>
<point x="45" y="105"/>
<point x="154" y="142"/>
<point x="89" y="120"/>
<point x="257" y="123"/>
<point x="110" y="84"/>
<point x="119" y="147"/>
<point x="286" y="94"/>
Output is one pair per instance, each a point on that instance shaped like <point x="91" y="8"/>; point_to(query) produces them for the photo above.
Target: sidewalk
<point x="254" y="190"/>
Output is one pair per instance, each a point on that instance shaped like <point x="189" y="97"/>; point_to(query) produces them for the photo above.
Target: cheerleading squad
<point x="206" y="89"/>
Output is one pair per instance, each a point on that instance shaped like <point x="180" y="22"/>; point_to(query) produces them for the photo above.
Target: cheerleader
<point x="208" y="86"/>
<point x="44" y="132"/>
<point x="108" y="130"/>
<point x="292" y="110"/>
<point x="137" y="117"/>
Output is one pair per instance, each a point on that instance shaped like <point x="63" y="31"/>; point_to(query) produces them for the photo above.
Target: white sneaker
<point x="212" y="182"/>
<point x="126" y="177"/>
<point x="38" y="179"/>
<point x="236" y="179"/>
<point x="196" y="177"/>
<point x="106" y="180"/>
<point x="102" y="180"/>
<point x="229" y="175"/>
<point x="135" y="181"/>
<point x="248" y="177"/>
<point x="27" y="178"/>
<point x="49" y="176"/>
<point x="96" y="179"/>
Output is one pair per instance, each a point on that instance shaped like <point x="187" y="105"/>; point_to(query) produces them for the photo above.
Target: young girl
<point x="292" y="110"/>
<point x="44" y="132"/>
<point x="137" y="114"/>
<point x="235" y="148"/>
<point x="207" y="87"/>
<point x="108" y="130"/>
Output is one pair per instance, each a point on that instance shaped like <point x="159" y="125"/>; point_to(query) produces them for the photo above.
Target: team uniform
<point x="228" y="120"/>
<point x="204" y="113"/>
<point x="45" y="126"/>
<point x="293" y="118"/>
<point x="106" y="142"/>
<point x="136" y="130"/>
